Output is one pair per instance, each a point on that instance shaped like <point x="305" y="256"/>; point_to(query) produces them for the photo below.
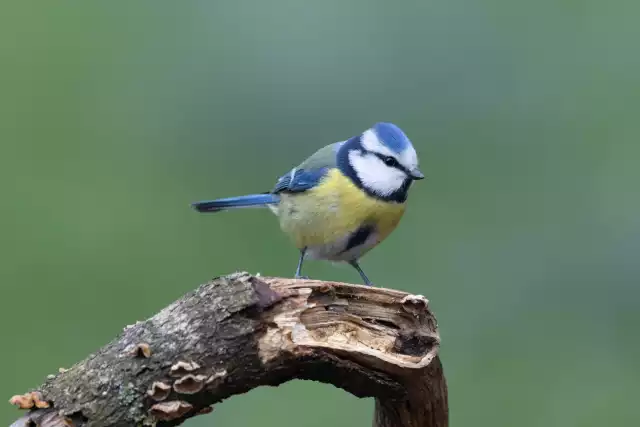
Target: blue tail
<point x="252" y="200"/>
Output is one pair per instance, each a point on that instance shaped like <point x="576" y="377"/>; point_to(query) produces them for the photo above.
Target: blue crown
<point x="392" y="136"/>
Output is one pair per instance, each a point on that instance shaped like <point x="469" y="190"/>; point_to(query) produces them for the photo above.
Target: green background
<point x="525" y="236"/>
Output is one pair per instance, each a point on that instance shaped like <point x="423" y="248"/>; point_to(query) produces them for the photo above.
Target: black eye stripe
<point x="390" y="161"/>
<point x="396" y="164"/>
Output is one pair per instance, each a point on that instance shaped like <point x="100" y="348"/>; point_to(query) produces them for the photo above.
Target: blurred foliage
<point x="525" y="235"/>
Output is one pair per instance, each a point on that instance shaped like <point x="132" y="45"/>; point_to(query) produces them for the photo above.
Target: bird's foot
<point x="297" y="276"/>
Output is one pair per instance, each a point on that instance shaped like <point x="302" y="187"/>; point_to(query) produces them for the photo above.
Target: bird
<point x="343" y="200"/>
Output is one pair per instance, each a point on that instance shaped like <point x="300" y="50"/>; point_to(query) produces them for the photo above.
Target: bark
<point x="239" y="332"/>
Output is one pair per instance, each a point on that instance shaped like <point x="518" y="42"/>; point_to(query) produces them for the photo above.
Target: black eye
<point x="390" y="161"/>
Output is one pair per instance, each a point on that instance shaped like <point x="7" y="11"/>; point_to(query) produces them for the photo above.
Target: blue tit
<point x="344" y="199"/>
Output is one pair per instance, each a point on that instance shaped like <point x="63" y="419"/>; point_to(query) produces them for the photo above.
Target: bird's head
<point x="385" y="161"/>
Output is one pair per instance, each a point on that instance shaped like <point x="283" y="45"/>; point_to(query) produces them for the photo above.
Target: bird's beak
<point x="415" y="174"/>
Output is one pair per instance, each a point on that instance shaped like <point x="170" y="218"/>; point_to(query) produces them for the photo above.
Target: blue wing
<point x="309" y="173"/>
<point x="299" y="180"/>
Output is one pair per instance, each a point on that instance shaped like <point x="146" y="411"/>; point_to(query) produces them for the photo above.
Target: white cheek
<point x="375" y="175"/>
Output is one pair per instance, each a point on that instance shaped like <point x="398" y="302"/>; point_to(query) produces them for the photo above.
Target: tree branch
<point x="239" y="332"/>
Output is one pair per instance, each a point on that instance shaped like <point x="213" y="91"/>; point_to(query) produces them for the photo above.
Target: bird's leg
<point x="299" y="269"/>
<point x="355" y="265"/>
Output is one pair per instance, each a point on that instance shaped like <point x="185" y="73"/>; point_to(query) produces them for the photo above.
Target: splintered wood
<point x="384" y="324"/>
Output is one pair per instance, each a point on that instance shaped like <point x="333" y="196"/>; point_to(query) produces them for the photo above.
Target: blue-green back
<point x="323" y="158"/>
<point x="308" y="173"/>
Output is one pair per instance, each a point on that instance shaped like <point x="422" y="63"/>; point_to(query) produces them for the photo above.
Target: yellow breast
<point x="334" y="209"/>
